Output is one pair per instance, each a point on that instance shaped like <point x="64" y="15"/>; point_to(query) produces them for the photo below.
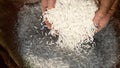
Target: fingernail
<point x="96" y="25"/>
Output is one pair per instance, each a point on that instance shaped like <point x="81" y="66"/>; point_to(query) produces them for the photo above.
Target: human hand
<point x="47" y="4"/>
<point x="104" y="13"/>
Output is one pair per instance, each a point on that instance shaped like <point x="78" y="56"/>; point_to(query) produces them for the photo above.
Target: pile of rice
<point x="36" y="51"/>
<point x="73" y="21"/>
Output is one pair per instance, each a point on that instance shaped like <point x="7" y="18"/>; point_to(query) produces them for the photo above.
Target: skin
<point x="47" y="4"/>
<point x="106" y="9"/>
<point x="104" y="13"/>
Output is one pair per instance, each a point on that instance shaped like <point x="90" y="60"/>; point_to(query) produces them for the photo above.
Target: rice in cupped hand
<point x="73" y="21"/>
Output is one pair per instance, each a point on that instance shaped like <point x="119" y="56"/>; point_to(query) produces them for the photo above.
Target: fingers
<point x="104" y="13"/>
<point x="44" y="5"/>
<point x="47" y="4"/>
<point x="102" y="10"/>
<point x="113" y="8"/>
<point x="48" y="24"/>
<point x="105" y="5"/>
<point x="110" y="13"/>
<point x="51" y="4"/>
<point x="103" y="22"/>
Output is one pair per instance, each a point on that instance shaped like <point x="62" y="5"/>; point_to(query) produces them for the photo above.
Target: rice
<point x="40" y="51"/>
<point x="73" y="21"/>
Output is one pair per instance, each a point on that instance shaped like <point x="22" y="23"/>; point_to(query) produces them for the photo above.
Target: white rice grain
<point x="73" y="20"/>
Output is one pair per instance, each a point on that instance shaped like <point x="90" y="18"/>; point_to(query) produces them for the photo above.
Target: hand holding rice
<point x="73" y="20"/>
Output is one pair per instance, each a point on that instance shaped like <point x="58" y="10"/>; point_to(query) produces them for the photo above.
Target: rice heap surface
<point x="37" y="51"/>
<point x="73" y="21"/>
